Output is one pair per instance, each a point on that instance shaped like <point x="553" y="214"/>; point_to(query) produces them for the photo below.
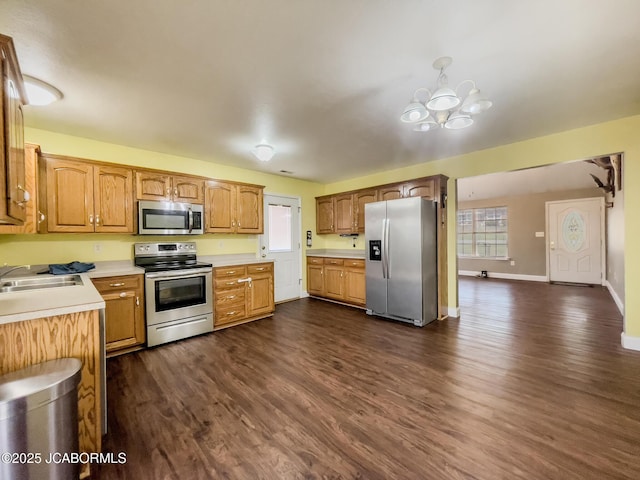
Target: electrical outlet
<point x="513" y="263"/>
<point x="220" y="244"/>
<point x="97" y="247"/>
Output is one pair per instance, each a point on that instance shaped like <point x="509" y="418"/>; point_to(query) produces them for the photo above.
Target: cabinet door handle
<point x="168" y="192"/>
<point x="260" y="269"/>
<point x="91" y="219"/>
<point x="123" y="294"/>
<point x="117" y="284"/>
<point x="238" y="223"/>
<point x="230" y="283"/>
<point x="41" y="217"/>
<point x="175" y="192"/>
<point x="233" y="223"/>
<point x="97" y="219"/>
<point x="231" y="313"/>
<point x="137" y="301"/>
<point x="231" y="272"/>
<point x="230" y="297"/>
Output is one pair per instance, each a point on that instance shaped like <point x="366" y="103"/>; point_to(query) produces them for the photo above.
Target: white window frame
<point x="500" y="226"/>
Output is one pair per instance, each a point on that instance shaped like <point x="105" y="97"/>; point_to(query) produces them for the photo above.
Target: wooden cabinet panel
<point x="82" y="197"/>
<point x="419" y="188"/>
<point x="220" y="207"/>
<point x="324" y="215"/>
<point x="315" y="279"/>
<point x="343" y="209"/>
<point x="233" y="208"/>
<point x="124" y="312"/>
<point x="113" y="197"/>
<point x="12" y="160"/>
<point x="242" y="293"/>
<point x="69" y="196"/>
<point x="187" y="189"/>
<point x="355" y="287"/>
<point x="315" y="260"/>
<point x="161" y="186"/>
<point x="153" y="186"/>
<point x="334" y="281"/>
<point x="249" y="209"/>
<point x="391" y="192"/>
<point x="32" y="219"/>
<point x="261" y="299"/>
<point x="360" y="199"/>
<point x="334" y="261"/>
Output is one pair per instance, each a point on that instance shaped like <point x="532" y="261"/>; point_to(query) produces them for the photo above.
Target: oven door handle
<point x="196" y="272"/>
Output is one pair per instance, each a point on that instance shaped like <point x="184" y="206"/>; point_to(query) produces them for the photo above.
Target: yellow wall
<point x="616" y="136"/>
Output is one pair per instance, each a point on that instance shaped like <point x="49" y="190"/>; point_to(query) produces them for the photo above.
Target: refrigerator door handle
<point x="385" y="248"/>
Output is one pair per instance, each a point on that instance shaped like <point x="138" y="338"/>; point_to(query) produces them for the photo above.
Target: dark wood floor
<point x="530" y="383"/>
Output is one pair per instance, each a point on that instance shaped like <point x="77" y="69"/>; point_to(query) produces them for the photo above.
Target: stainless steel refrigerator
<point x="401" y="260"/>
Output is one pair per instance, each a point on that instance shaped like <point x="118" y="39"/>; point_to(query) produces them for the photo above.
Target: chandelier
<point x="444" y="107"/>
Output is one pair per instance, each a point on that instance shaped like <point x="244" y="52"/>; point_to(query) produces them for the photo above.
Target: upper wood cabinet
<point x="360" y="199"/>
<point x="343" y="213"/>
<point x="13" y="192"/>
<point x="391" y="192"/>
<point x="86" y="197"/>
<point x="233" y="208"/>
<point x="33" y="217"/>
<point x="325" y="208"/>
<point x="166" y="187"/>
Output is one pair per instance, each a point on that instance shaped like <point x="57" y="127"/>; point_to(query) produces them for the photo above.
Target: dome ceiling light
<point x="263" y="152"/>
<point x="39" y="92"/>
<point x="445" y="107"/>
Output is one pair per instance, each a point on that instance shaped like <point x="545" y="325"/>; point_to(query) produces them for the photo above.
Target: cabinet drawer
<point x="259" y="268"/>
<point x="315" y="260"/>
<point x="228" y="283"/>
<point x="226" y="298"/>
<point x="117" y="284"/>
<point x="354" y="263"/>
<point x="334" y="261"/>
<point x="221" y="272"/>
<point x="229" y="314"/>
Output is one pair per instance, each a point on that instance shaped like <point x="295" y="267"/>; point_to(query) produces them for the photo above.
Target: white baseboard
<point x="453" y="312"/>
<point x="507" y="276"/>
<point x="304" y="294"/>
<point x="630" y="343"/>
<point x="616" y="298"/>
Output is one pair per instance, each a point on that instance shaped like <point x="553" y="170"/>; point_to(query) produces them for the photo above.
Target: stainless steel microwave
<point x="169" y="218"/>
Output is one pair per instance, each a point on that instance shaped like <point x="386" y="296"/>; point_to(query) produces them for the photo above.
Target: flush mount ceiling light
<point x="444" y="107"/>
<point x="263" y="152"/>
<point x="39" y="92"/>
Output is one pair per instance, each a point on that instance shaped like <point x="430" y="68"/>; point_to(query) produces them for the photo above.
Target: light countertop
<point x="47" y="302"/>
<point x="336" y="253"/>
<point x="232" y="259"/>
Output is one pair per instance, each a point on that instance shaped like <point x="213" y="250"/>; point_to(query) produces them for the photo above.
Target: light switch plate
<point x="539" y="234"/>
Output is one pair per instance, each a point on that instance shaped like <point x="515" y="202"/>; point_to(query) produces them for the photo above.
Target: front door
<point x="281" y="243"/>
<point x="575" y="247"/>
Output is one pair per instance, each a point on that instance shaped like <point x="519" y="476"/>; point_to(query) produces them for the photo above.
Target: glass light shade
<point x="475" y="103"/>
<point x="443" y="99"/>
<point x="39" y="92"/>
<point x="415" y="112"/>
<point x="263" y="152"/>
<point x="458" y="121"/>
<point x="425" y="126"/>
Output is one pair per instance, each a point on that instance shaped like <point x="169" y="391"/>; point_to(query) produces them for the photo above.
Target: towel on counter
<point x="73" y="267"/>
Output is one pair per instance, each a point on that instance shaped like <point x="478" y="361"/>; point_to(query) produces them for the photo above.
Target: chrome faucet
<point x="4" y="274"/>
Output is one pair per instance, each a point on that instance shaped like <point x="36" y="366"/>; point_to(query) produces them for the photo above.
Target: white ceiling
<point x="324" y="81"/>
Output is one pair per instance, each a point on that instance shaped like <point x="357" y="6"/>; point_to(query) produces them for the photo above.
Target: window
<point x="482" y="232"/>
<point x="279" y="228"/>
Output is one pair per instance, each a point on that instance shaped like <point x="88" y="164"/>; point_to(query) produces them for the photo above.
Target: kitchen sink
<point x="36" y="283"/>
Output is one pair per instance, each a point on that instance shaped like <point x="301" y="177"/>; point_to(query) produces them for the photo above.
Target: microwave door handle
<point x="190" y="220"/>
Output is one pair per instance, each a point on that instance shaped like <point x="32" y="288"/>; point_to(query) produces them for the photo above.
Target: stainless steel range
<point x="178" y="291"/>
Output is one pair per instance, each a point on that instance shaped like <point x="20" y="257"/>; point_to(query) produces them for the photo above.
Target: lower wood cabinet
<point x="337" y="279"/>
<point x="124" y="312"/>
<point x="242" y="293"/>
